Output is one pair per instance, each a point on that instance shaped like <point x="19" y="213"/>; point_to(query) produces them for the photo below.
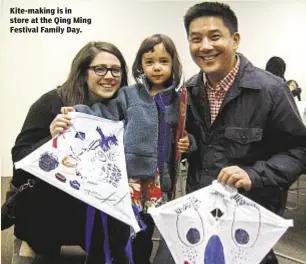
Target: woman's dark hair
<point x="296" y="90"/>
<point x="276" y="66"/>
<point x="74" y="90"/>
<point x="148" y="45"/>
<point x="215" y="9"/>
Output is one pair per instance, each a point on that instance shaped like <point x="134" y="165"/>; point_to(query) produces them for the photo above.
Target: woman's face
<point x="104" y="75"/>
<point x="292" y="86"/>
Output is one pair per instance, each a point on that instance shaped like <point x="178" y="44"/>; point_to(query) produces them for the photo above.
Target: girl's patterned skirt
<point x="146" y="193"/>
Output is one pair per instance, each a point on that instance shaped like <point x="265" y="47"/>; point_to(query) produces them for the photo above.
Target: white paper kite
<point x="217" y="225"/>
<point x="87" y="162"/>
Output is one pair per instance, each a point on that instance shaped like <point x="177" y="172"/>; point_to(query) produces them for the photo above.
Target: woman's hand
<point x="60" y="123"/>
<point x="183" y="143"/>
<point x="66" y="109"/>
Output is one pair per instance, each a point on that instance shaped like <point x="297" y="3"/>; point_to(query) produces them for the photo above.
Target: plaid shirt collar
<point x="223" y="85"/>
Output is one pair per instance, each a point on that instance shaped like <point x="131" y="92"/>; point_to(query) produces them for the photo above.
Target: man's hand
<point x="236" y="177"/>
<point x="183" y="143"/>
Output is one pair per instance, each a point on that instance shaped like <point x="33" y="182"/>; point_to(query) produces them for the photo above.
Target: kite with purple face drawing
<point x="217" y="225"/>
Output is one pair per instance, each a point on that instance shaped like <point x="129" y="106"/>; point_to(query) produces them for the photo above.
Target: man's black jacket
<point x="258" y="129"/>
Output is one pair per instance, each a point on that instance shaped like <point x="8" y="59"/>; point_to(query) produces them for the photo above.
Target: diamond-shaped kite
<point x="87" y="162"/>
<point x="217" y="225"/>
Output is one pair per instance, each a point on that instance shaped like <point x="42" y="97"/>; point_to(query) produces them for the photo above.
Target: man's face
<point x="212" y="46"/>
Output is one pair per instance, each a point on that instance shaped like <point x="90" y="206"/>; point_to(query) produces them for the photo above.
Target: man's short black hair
<point x="216" y="9"/>
<point x="277" y="66"/>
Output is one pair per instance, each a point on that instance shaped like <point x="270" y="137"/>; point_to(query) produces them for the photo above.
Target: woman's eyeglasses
<point x="103" y="70"/>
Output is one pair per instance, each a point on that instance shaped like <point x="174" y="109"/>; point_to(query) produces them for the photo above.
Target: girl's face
<point x="104" y="75"/>
<point x="157" y="65"/>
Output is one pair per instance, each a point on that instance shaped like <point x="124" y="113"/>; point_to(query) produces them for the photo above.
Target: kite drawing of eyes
<point x="190" y="228"/>
<point x="246" y="225"/>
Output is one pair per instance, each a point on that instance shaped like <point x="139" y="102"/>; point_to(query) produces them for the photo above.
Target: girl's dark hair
<point x="276" y="66"/>
<point x="148" y="45"/>
<point x="215" y="9"/>
<point x="74" y="90"/>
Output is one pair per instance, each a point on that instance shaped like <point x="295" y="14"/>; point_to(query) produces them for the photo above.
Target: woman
<point x="295" y="89"/>
<point x="47" y="218"/>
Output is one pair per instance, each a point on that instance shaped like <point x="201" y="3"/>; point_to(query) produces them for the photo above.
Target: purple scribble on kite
<point x="214" y="253"/>
<point x="80" y="135"/>
<point x="75" y="184"/>
<point x="193" y="236"/>
<point x="242" y="237"/>
<point x="113" y="174"/>
<point x="105" y="141"/>
<point x="48" y="161"/>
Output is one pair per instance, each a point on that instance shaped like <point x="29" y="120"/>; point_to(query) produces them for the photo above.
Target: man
<point x="246" y="125"/>
<point x="277" y="66"/>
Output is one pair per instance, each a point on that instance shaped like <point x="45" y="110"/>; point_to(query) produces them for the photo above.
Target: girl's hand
<point x="59" y="124"/>
<point x="66" y="109"/>
<point x="183" y="143"/>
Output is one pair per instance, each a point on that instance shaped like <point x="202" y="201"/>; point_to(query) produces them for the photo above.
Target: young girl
<point x="150" y="109"/>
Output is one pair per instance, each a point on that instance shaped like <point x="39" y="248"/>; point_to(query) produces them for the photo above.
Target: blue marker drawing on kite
<point x="48" y="161"/>
<point x="244" y="236"/>
<point x="75" y="184"/>
<point x="106" y="141"/>
<point x="192" y="235"/>
<point x="112" y="174"/>
<point x="214" y="253"/>
<point x="80" y="135"/>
